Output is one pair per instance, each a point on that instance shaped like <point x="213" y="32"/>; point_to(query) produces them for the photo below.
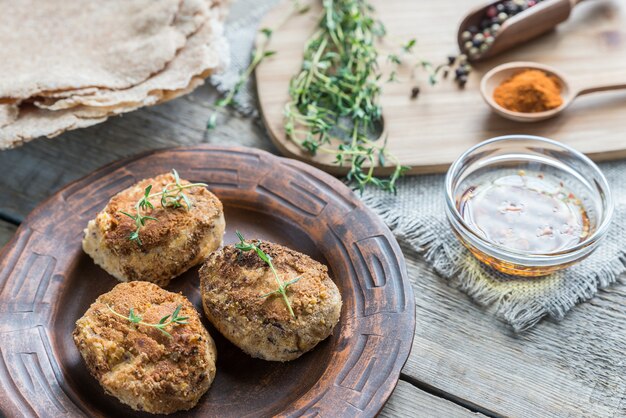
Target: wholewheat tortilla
<point x="191" y="16"/>
<point x="203" y="54"/>
<point x="8" y="114"/>
<point x="67" y="45"/>
<point x="34" y="122"/>
<point x="207" y="50"/>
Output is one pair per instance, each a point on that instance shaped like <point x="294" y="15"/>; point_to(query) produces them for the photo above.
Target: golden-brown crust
<point x="244" y="289"/>
<point x="232" y="282"/>
<point x="205" y="205"/>
<point x="177" y="240"/>
<point x="138" y="364"/>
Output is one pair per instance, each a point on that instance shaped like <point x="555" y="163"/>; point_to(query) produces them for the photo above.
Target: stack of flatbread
<point x="71" y="64"/>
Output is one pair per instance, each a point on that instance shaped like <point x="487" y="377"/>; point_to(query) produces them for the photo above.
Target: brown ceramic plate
<point x="47" y="283"/>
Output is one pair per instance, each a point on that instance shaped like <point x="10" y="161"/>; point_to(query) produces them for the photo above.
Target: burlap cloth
<point x="416" y="216"/>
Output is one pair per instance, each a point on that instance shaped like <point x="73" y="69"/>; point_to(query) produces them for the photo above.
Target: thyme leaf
<point x="281" y="291"/>
<point x="258" y="56"/>
<point x="171" y="197"/>
<point x="335" y="96"/>
<point x="171" y="319"/>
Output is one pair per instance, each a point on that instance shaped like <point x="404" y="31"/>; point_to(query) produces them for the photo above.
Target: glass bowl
<point x="518" y="153"/>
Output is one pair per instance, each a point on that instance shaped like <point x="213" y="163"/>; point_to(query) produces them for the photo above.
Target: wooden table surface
<point x="463" y="363"/>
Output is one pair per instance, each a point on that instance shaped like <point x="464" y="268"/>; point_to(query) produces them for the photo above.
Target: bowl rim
<point x="521" y="257"/>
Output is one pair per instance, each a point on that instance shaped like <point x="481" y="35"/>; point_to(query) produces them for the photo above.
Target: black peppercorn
<point x="415" y="91"/>
<point x="478" y="41"/>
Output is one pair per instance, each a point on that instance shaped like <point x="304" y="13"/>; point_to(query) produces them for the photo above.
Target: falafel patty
<point x="138" y="364"/>
<point x="232" y="283"/>
<point x="179" y="239"/>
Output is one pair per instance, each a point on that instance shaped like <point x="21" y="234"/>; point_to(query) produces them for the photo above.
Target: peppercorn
<point x="477" y="41"/>
<point x="415" y="91"/>
<point x="512" y="9"/>
<point x="462" y="81"/>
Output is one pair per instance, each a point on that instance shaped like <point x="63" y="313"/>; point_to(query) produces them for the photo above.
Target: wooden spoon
<point x="570" y="88"/>
<point x="530" y="23"/>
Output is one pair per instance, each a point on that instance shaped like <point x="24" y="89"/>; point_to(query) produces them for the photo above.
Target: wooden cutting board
<point x="427" y="134"/>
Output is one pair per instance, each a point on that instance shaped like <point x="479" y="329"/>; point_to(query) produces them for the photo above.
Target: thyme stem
<point x="172" y="318"/>
<point x="167" y="200"/>
<point x="244" y="245"/>
<point x="338" y="84"/>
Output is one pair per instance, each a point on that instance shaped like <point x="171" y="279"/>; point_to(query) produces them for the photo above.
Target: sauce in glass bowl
<point x="526" y="211"/>
<point x="527" y="206"/>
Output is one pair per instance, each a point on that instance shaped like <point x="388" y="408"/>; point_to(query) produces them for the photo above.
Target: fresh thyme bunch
<point x="172" y="196"/>
<point x="336" y="94"/>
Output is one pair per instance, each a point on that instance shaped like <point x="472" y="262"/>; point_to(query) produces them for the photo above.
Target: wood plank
<point x="572" y="368"/>
<point x="427" y="134"/>
<point x="6" y="232"/>
<point x="42" y="166"/>
<point x="409" y="401"/>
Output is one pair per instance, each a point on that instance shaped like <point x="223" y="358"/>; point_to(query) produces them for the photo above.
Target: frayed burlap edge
<point x="467" y="274"/>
